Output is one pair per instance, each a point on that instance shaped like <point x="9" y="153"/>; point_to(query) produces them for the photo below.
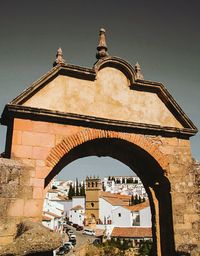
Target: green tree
<point x="136" y="199"/>
<point x="82" y="190"/>
<point x="139" y="200"/>
<point x="77" y="188"/>
<point x="146" y="248"/>
<point x="71" y="192"/>
<point x="143" y="199"/>
<point x="132" y="200"/>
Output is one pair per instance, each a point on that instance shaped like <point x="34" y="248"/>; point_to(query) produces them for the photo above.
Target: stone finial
<point x="59" y="57"/>
<point x="138" y="72"/>
<point x="102" y="46"/>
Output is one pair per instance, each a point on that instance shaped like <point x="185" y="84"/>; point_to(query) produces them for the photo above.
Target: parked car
<point x="97" y="241"/>
<point x="66" y="229"/>
<point x="72" y="236"/>
<point x="75" y="225"/>
<point x="70" y="232"/>
<point x="79" y="228"/>
<point x="89" y="232"/>
<point x="69" y="223"/>
<point x="68" y="244"/>
<point x="63" y="250"/>
<point x="73" y="241"/>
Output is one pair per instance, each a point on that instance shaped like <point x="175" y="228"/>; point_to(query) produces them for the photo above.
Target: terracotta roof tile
<point x="77" y="207"/>
<point x="115" y="199"/>
<point x="53" y="191"/>
<point x="53" y="214"/>
<point x="137" y="207"/>
<point x="46" y="218"/>
<point x="132" y="232"/>
<point x="62" y="198"/>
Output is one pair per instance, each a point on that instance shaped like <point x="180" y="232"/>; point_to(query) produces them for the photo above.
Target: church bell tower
<point x="93" y="190"/>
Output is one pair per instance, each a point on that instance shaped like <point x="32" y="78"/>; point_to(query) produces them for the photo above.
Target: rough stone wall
<point x="18" y="234"/>
<point x="187" y="210"/>
<point x="184" y="177"/>
<point x="14" y="191"/>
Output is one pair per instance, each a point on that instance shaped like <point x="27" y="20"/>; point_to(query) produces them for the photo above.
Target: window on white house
<point x="136" y="220"/>
<point x="119" y="215"/>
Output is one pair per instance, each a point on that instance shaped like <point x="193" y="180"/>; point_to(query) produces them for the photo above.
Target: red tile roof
<point x="137" y="207"/>
<point x="53" y="191"/>
<point x="46" y="218"/>
<point x="62" y="198"/>
<point x="132" y="232"/>
<point x="52" y="214"/>
<point x="77" y="207"/>
<point x="115" y="199"/>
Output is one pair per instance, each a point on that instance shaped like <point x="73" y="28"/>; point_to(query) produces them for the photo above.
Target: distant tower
<point x="93" y="189"/>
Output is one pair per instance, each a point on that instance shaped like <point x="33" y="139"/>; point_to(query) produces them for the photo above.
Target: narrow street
<point x="80" y="240"/>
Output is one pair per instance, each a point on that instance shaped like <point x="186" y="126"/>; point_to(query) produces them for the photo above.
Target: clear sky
<point x="163" y="36"/>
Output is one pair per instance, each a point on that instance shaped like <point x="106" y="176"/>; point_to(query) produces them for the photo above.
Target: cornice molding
<point x="15" y="107"/>
<point x="18" y="111"/>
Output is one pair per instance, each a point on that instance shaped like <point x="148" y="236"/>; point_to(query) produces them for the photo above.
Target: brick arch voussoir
<point x="85" y="135"/>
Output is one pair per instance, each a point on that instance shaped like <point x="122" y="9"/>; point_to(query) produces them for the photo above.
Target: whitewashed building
<point x="78" y="200"/>
<point x="106" y="207"/>
<point x="77" y="215"/>
<point x="53" y="211"/>
<point x="126" y="185"/>
<point x="52" y="221"/>
<point x="53" y="214"/>
<point x="130" y="216"/>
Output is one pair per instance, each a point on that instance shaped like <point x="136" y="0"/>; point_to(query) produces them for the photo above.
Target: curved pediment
<point x="116" y="63"/>
<point x="110" y="91"/>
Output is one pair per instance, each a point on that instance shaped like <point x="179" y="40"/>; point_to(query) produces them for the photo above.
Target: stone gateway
<point x="108" y="110"/>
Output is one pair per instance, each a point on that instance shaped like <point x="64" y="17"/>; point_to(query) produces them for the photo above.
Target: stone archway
<point x="85" y="135"/>
<point x="105" y="110"/>
<point x="139" y="153"/>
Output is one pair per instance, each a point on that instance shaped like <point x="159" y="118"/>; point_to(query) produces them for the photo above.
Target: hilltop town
<point x="115" y="207"/>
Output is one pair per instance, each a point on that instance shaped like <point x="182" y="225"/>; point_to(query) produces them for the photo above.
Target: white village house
<point x="77" y="212"/>
<point x="130" y="216"/>
<point x="77" y="215"/>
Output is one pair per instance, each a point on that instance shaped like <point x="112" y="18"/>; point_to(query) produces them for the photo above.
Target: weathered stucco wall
<point x="109" y="96"/>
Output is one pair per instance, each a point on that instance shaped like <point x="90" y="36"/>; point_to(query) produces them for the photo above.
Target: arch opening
<point x="147" y="169"/>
